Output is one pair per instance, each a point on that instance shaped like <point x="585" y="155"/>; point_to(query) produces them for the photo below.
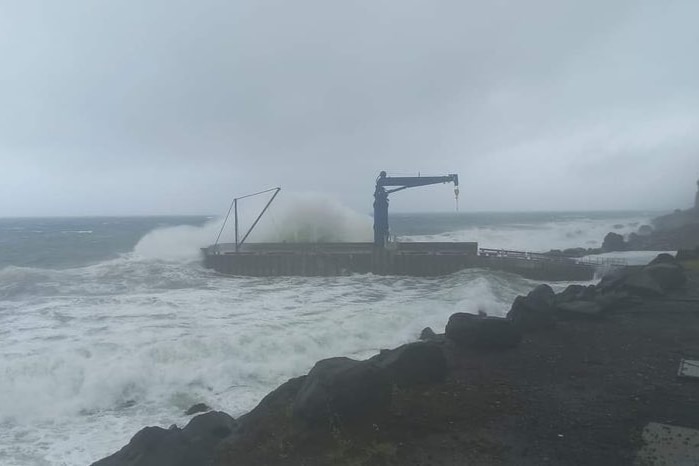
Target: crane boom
<point x="399" y="183"/>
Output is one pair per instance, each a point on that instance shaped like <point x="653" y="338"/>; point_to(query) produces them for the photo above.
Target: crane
<point x="399" y="184"/>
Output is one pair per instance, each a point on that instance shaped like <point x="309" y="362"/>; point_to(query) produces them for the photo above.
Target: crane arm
<point x="399" y="183"/>
<point x="404" y="182"/>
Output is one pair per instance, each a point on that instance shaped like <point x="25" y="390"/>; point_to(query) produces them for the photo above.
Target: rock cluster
<point x="671" y="232"/>
<point x="483" y="332"/>
<point x="192" y="446"/>
<point x="542" y="308"/>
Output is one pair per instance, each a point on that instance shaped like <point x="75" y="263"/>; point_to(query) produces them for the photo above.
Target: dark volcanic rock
<point x="534" y="311"/>
<point x="579" y="302"/>
<point x="663" y="275"/>
<point x="542" y="295"/>
<point x="471" y="331"/>
<point x="645" y="230"/>
<point x="685" y="236"/>
<point x="613" y="242"/>
<point x="669" y="276"/>
<point x="197" y="408"/>
<point x="663" y="258"/>
<point x="428" y="334"/>
<point x="414" y="363"/>
<point x="639" y="283"/>
<point x="192" y="446"/>
<point x="342" y="389"/>
<point x="576" y="293"/>
<point x="580" y="310"/>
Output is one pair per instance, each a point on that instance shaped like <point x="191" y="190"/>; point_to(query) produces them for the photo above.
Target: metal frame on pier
<point x="234" y="207"/>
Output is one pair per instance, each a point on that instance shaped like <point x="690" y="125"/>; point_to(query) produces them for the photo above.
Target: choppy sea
<point x="111" y="324"/>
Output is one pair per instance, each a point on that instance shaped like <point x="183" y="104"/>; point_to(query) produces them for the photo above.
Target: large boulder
<point x="342" y="389"/>
<point x="669" y="276"/>
<point x="414" y="363"/>
<point x="613" y="242"/>
<point x="534" y="311"/>
<point x="660" y="277"/>
<point x="576" y="293"/>
<point x="192" y="446"/>
<point x="472" y="331"/>
<point x="579" y="302"/>
<point x="640" y="283"/>
<point x="428" y="334"/>
<point x="663" y="258"/>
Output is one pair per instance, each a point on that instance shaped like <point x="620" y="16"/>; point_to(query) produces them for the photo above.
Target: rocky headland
<point x="566" y="378"/>
<point x="678" y="230"/>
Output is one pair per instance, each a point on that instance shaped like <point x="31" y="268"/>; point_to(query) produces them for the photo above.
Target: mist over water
<point x="313" y="218"/>
<point x="132" y="334"/>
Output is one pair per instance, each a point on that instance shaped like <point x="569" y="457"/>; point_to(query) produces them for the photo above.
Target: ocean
<point x="108" y="325"/>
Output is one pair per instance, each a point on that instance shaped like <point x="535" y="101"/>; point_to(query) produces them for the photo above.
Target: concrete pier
<point x="412" y="259"/>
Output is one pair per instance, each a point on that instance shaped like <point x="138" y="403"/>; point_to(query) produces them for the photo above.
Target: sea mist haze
<point x="111" y="324"/>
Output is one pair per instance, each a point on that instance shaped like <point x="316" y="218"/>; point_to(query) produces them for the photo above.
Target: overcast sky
<point x="173" y="106"/>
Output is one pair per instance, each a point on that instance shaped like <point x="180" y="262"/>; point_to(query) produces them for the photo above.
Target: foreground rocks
<point x="537" y="387"/>
<point x="676" y="231"/>
<point x="541" y="309"/>
<point x="192" y="446"/>
<point x="342" y="390"/>
<point x="474" y="331"/>
<point x="536" y="311"/>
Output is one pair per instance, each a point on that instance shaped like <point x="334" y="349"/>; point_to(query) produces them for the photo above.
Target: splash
<point x="312" y="218"/>
<point x="296" y="218"/>
<point x="179" y="243"/>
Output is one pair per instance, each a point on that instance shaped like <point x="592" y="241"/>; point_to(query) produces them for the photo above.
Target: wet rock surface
<point x="341" y="389"/>
<point x="192" y="446"/>
<point x="475" y="331"/>
<point x="413" y="364"/>
<point x="534" y="312"/>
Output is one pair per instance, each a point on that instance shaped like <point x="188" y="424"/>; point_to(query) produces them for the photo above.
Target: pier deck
<point x="420" y="259"/>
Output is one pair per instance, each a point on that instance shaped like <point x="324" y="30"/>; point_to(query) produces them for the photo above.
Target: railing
<point x="539" y="257"/>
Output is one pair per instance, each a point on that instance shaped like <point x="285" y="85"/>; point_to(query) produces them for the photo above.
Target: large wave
<point x="296" y="217"/>
<point x="100" y="366"/>
<point x="313" y="218"/>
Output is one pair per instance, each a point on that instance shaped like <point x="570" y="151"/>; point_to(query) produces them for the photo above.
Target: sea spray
<point x="176" y="243"/>
<point x="313" y="218"/>
<point x="294" y="218"/>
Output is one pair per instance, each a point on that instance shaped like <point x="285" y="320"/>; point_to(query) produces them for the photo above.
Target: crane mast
<point x="400" y="183"/>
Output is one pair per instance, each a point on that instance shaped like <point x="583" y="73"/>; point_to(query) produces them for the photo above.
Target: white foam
<point x="541" y="237"/>
<point x="177" y="243"/>
<point x="75" y="360"/>
<point x="308" y="217"/>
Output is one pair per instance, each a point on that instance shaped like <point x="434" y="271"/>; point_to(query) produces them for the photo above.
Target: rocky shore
<point x="564" y="379"/>
<point x="675" y="231"/>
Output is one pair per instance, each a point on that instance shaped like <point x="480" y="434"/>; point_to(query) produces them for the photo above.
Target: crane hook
<point x="456" y="197"/>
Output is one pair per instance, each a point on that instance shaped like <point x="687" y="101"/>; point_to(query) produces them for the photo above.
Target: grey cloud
<point x="170" y="106"/>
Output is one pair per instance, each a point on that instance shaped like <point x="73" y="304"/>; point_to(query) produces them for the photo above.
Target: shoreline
<point x="582" y="380"/>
